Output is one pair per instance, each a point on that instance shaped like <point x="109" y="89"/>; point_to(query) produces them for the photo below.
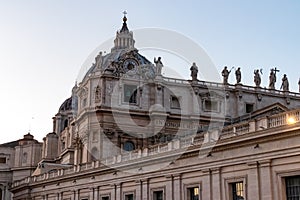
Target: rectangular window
<point x="129" y="197"/>
<point x="210" y="105"/>
<point x="130" y="93"/>
<point x="158" y="195"/>
<point x="105" y="198"/>
<point x="193" y="193"/>
<point x="292" y="187"/>
<point x="175" y="102"/>
<point x="95" y="136"/>
<point x="249" y="108"/>
<point x="84" y="103"/>
<point x="237" y="191"/>
<point x="2" y="159"/>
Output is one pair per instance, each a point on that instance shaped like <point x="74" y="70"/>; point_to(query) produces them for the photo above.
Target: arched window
<point x="128" y="146"/>
<point x="66" y="123"/>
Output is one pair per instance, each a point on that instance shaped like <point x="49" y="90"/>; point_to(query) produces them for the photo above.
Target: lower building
<point x="257" y="159"/>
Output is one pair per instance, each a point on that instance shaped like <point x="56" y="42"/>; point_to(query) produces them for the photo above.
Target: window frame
<point x="249" y="104"/>
<point x="4" y="159"/>
<point x="192" y="186"/>
<point x="135" y="91"/>
<point x="218" y="104"/>
<point x="230" y="181"/>
<point x="104" y="196"/>
<point x="129" y="193"/>
<point x="178" y="99"/>
<point x="281" y="180"/>
<point x="157" y="189"/>
<point x="285" y="182"/>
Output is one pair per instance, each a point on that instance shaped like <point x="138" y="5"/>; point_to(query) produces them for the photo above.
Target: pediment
<point x="270" y="110"/>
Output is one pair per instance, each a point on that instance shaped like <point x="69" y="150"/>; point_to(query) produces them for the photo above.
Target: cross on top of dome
<point x="124" y="27"/>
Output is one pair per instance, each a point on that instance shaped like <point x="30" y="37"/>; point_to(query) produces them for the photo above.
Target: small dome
<point x="66" y="105"/>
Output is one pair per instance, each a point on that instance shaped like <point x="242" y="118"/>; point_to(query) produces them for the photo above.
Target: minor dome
<point x="66" y="105"/>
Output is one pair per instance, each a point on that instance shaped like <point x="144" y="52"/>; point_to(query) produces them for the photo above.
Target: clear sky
<point x="44" y="43"/>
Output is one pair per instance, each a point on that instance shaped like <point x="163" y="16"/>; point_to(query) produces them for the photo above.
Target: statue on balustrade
<point x="285" y="83"/>
<point x="272" y="78"/>
<point x="225" y="74"/>
<point x="159" y="65"/>
<point x="257" y="79"/>
<point x="194" y="72"/>
<point x="238" y="75"/>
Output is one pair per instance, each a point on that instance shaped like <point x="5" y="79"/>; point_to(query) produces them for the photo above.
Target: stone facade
<point x="18" y="160"/>
<point x="127" y="132"/>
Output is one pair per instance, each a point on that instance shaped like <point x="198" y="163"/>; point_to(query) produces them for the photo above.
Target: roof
<point x="66" y="105"/>
<point x="10" y="144"/>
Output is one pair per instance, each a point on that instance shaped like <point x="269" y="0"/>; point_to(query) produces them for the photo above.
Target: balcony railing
<point x="227" y="132"/>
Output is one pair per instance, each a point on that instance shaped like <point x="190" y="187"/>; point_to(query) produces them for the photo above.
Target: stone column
<point x="216" y="184"/>
<point x="92" y="192"/>
<point x="253" y="186"/>
<point x="145" y="189"/>
<point x="96" y="193"/>
<point x="206" y="192"/>
<point x="169" y="187"/>
<point x="139" y="190"/>
<point x="177" y="190"/>
<point x="118" y="191"/>
<point x="266" y="180"/>
<point x="113" y="193"/>
<point x="76" y="194"/>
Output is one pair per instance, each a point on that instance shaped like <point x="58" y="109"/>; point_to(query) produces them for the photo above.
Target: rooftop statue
<point x="238" y="75"/>
<point x="225" y="74"/>
<point x="299" y="84"/>
<point x="272" y="78"/>
<point x="98" y="60"/>
<point x="257" y="79"/>
<point x="285" y="83"/>
<point x="159" y="65"/>
<point x="194" y="72"/>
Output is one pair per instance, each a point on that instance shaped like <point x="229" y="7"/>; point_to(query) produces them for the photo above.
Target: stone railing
<point x="230" y="86"/>
<point x="179" y="143"/>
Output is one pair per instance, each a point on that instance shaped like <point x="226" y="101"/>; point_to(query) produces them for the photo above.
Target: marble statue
<point x="272" y="79"/>
<point x="238" y="75"/>
<point x="194" y="72"/>
<point x="257" y="79"/>
<point x="285" y="83"/>
<point x="98" y="60"/>
<point x="159" y="65"/>
<point x="299" y="84"/>
<point x="225" y="74"/>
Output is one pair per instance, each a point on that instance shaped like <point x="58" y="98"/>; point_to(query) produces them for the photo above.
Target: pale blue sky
<point x="44" y="43"/>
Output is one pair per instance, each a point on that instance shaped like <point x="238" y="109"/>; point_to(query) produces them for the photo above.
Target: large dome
<point x="123" y="49"/>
